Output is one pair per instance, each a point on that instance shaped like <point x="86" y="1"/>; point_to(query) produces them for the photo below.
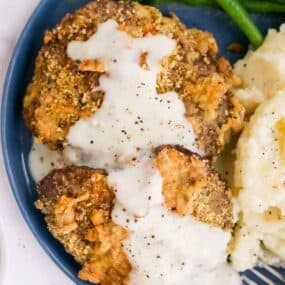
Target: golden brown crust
<point x="62" y="90"/>
<point x="192" y="187"/>
<point x="77" y="203"/>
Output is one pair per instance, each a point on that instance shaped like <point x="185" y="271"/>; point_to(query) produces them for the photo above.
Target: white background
<point x="22" y="260"/>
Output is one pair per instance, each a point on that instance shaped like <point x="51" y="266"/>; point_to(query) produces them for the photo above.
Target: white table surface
<point x="22" y="260"/>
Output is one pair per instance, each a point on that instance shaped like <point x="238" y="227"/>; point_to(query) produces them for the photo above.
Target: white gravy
<point x="133" y="118"/>
<point x="163" y="248"/>
<point x="42" y="160"/>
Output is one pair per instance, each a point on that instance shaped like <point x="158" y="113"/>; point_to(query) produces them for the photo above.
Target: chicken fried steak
<point x="77" y="204"/>
<point x="63" y="91"/>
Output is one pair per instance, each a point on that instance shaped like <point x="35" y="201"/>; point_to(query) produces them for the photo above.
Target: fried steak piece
<point x="192" y="187"/>
<point x="77" y="204"/>
<point x="63" y="91"/>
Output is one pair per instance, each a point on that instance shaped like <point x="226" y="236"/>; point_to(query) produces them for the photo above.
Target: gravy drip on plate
<point x="163" y="248"/>
<point x="42" y="160"/>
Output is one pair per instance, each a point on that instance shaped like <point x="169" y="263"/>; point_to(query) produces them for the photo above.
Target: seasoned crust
<point x="61" y="92"/>
<point x="192" y="187"/>
<point x="77" y="204"/>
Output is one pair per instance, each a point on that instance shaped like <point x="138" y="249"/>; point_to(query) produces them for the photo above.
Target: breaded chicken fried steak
<point x="136" y="108"/>
<point x="77" y="203"/>
<point x="63" y="91"/>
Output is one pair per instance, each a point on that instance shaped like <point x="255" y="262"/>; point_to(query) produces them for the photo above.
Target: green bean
<point x="243" y="20"/>
<point x="263" y="6"/>
<point x="236" y="11"/>
<point x="266" y="6"/>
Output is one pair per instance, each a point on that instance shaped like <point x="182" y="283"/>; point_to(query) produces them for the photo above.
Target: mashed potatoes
<point x="260" y="178"/>
<point x="260" y="157"/>
<point x="262" y="71"/>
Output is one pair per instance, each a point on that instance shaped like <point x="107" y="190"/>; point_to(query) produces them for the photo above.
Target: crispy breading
<point x="77" y="203"/>
<point x="63" y="91"/>
<point x="192" y="187"/>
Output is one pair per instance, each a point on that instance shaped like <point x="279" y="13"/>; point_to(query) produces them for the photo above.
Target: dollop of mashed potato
<point x="260" y="179"/>
<point x="259" y="175"/>
<point x="262" y="71"/>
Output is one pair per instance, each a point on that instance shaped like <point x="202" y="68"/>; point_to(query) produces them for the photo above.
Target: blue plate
<point x="16" y="139"/>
